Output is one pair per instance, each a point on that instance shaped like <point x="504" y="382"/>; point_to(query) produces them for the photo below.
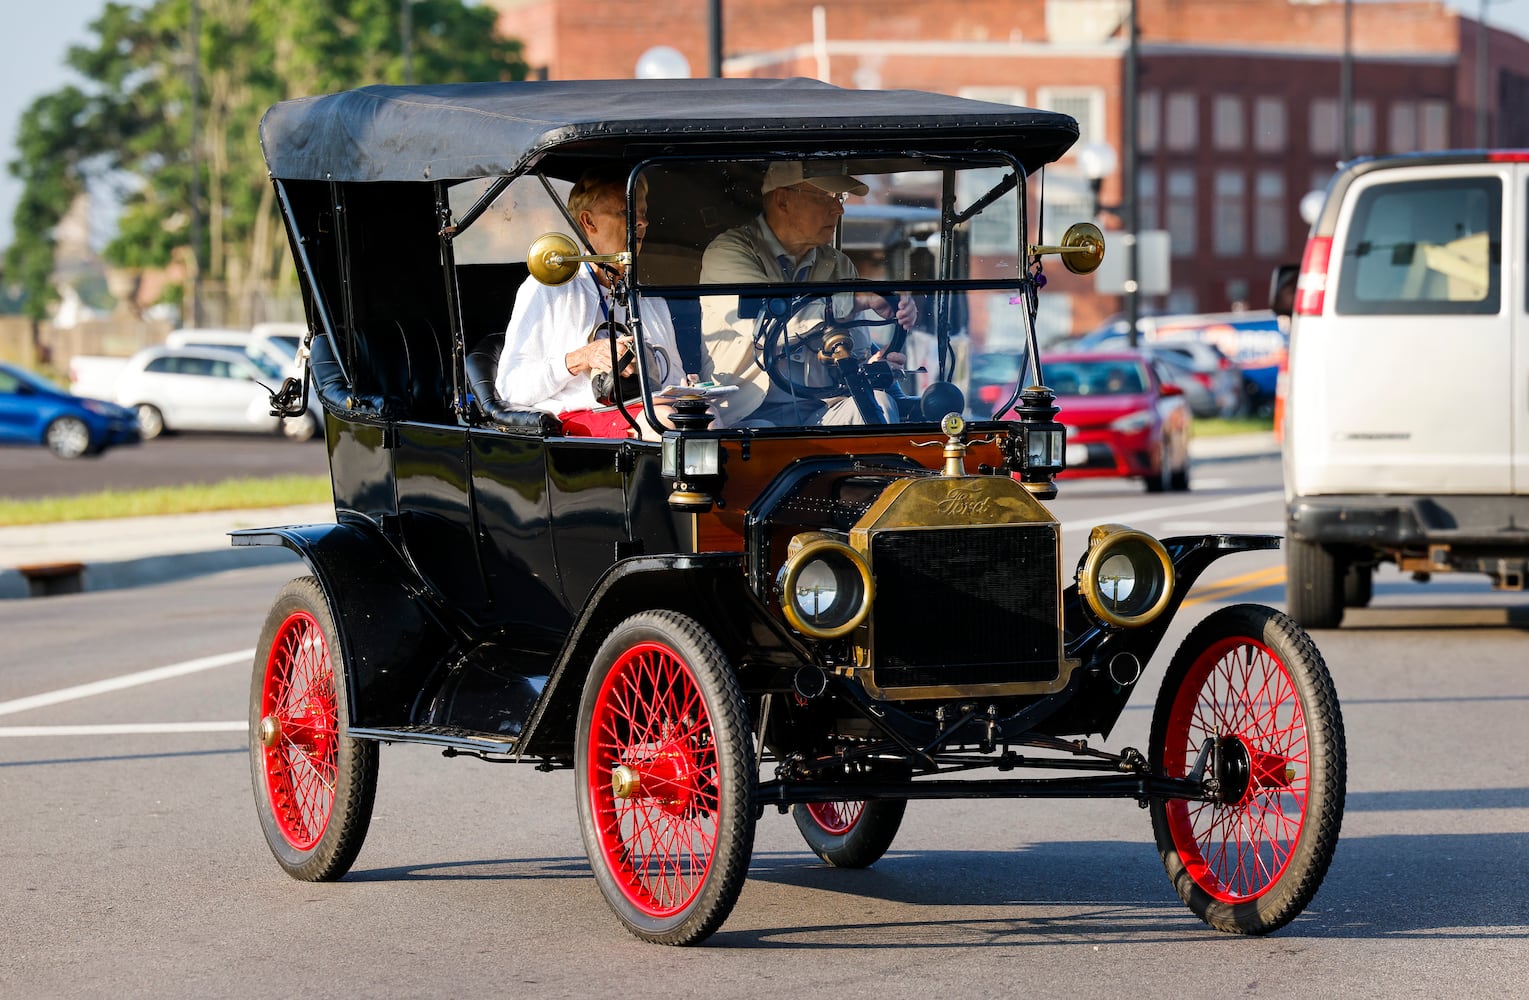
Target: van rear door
<point x="1411" y="380"/>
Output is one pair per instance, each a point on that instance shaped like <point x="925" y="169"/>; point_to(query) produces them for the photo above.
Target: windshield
<point x="787" y="293"/>
<point x="1102" y="377"/>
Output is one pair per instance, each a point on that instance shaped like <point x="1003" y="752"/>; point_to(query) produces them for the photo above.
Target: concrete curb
<point x="139" y="572"/>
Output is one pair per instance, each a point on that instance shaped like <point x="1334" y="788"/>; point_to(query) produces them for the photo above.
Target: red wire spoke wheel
<point x="850" y="834"/>
<point x="313" y="785"/>
<point x="300" y="730"/>
<point x="665" y="778"/>
<point x="836" y="818"/>
<point x="1249" y="683"/>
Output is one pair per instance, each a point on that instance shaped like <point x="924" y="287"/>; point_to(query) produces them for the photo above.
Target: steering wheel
<point x="826" y="346"/>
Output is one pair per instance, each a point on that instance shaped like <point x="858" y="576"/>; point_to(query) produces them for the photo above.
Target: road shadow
<point x="1403" y="887"/>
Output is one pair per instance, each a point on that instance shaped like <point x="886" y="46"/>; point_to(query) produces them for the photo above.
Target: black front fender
<point x="390" y="638"/>
<point x="711" y="588"/>
<point x="1102" y="698"/>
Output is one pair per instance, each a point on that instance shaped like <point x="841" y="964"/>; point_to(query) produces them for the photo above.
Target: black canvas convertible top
<point x="459" y="131"/>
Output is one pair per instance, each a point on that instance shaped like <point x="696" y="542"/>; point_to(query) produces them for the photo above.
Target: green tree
<point x="148" y="81"/>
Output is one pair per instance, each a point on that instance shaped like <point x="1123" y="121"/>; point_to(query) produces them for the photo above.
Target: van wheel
<point x="1358" y="585"/>
<point x="1313" y="587"/>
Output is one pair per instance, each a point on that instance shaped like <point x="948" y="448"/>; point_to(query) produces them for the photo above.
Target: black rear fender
<point x="391" y="638"/>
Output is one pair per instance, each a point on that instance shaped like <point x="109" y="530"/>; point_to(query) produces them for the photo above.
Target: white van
<point x="1406" y="435"/>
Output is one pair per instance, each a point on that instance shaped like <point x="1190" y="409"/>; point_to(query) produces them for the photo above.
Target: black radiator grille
<point x="963" y="606"/>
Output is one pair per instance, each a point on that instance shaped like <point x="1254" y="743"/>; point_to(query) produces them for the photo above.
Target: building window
<point x="996" y="95"/>
<point x="1402" y="129"/>
<point x="1181" y="221"/>
<point x="1269" y="215"/>
<point x="1269" y="125"/>
<point x="1230" y="214"/>
<point x="1364" y="127"/>
<point x="1148" y="201"/>
<point x="1183" y="125"/>
<point x="1435" y="125"/>
<point x="1086" y="104"/>
<point x="1149" y="123"/>
<point x="1325" y="125"/>
<point x="1227" y="125"/>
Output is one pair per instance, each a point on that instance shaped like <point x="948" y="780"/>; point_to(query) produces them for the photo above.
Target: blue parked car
<point x="35" y="411"/>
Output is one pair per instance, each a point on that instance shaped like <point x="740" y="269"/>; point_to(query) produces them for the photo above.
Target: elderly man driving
<point x="790" y="240"/>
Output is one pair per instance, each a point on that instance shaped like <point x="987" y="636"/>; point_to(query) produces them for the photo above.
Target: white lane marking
<point x="126" y="729"/>
<point x="1162" y="513"/>
<point x="124" y="681"/>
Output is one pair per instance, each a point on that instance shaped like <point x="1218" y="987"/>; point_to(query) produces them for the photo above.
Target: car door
<point x="18" y="409"/>
<point x="1411" y="363"/>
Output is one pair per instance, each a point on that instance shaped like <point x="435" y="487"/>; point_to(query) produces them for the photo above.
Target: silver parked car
<point x="207" y="389"/>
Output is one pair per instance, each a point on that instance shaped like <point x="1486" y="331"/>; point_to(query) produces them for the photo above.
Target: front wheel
<point x="314" y="785"/>
<point x="850" y="834"/>
<point x="68" y="437"/>
<point x="1249" y="682"/>
<point x="303" y="427"/>
<point x="664" y="774"/>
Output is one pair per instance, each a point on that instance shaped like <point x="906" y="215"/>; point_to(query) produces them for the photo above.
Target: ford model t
<point x="767" y="563"/>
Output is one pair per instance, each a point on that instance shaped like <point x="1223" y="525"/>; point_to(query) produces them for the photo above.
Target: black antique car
<point x="705" y="616"/>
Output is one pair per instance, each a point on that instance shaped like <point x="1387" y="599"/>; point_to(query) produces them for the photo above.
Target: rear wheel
<point x="1250" y="681"/>
<point x="151" y="423"/>
<point x="1358" y="585"/>
<point x="850" y="834"/>
<point x="664" y="772"/>
<point x="314" y="786"/>
<point x="1313" y="593"/>
<point x="68" y="437"/>
<point x="303" y="427"/>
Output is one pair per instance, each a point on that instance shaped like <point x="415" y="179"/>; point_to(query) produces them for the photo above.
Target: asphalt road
<point x="133" y="864"/>
<point x="173" y="460"/>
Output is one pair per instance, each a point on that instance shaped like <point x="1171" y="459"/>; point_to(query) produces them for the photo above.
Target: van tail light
<point x="1311" y="286"/>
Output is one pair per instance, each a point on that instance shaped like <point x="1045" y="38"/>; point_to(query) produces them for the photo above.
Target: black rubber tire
<point x="305" y="427"/>
<point x="1158" y="479"/>
<point x="1252" y="651"/>
<point x="1178" y="479"/>
<point x="68" y="437"/>
<point x="151" y="423"/>
<point x="1313" y="584"/>
<point x="860" y="846"/>
<point x="331" y="854"/>
<point x="707" y="762"/>
<point x="1358" y="585"/>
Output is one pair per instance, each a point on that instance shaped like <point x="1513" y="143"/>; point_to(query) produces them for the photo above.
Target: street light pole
<point x="1346" y="83"/>
<point x="1482" y="139"/>
<point x="714" y="39"/>
<point x="1128" y="182"/>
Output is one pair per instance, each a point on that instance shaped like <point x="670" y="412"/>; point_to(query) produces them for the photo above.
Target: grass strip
<point x="1223" y="426"/>
<point x="230" y="494"/>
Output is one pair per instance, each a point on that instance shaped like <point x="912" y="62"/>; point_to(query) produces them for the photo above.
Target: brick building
<point x="1239" y="110"/>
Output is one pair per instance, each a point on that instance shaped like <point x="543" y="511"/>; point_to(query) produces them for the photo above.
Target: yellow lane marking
<point x="1230" y="587"/>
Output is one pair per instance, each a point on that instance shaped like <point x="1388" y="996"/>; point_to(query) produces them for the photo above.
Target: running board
<point x="456" y="739"/>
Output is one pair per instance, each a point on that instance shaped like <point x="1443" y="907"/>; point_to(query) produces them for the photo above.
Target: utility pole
<point x="406" y="29"/>
<point x="1346" y="84"/>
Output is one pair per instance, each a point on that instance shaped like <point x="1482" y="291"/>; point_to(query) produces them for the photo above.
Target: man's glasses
<point x="820" y="194"/>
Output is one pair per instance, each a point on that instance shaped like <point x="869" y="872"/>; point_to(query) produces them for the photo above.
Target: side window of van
<point x="1424" y="248"/>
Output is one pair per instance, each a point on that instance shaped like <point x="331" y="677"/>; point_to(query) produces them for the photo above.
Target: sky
<point x="32" y="64"/>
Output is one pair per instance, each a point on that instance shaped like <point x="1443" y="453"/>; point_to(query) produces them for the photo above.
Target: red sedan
<point x="1123" y="418"/>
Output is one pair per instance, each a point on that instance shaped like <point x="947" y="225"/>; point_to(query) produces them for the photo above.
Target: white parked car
<point x="256" y="344"/>
<point x="208" y="389"/>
